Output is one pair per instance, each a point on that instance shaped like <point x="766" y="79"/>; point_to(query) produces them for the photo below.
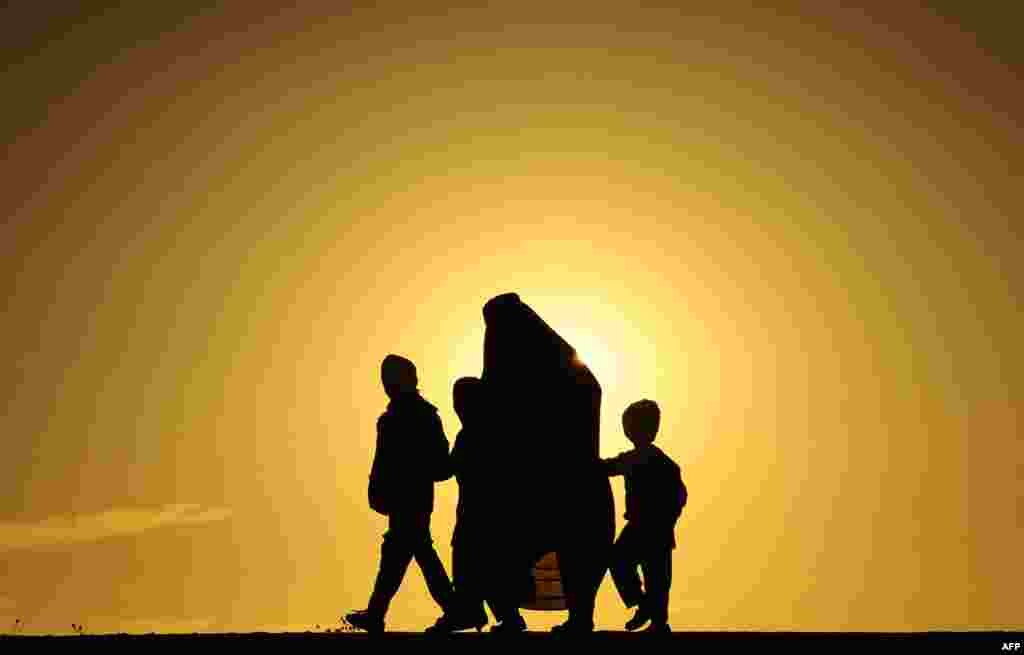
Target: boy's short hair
<point x="468" y="389"/>
<point x="468" y="398"/>
<point x="641" y="420"/>
<point x="399" y="372"/>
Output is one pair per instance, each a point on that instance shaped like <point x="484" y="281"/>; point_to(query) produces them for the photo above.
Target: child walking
<point x="655" y="497"/>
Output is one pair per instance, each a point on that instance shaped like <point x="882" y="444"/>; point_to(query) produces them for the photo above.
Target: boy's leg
<point x="501" y="590"/>
<point x="438" y="584"/>
<point x="504" y="584"/>
<point x="395" y="554"/>
<point x="505" y="611"/>
<point x="657" y="567"/>
<point x="625" y="559"/>
<point x="466" y="578"/>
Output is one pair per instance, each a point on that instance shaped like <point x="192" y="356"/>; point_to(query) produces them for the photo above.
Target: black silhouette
<point x="550" y="492"/>
<point x="411" y="455"/>
<point x="475" y="468"/>
<point x="655" y="497"/>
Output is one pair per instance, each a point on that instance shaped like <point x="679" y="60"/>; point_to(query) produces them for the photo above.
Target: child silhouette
<point x="411" y="455"/>
<point x="655" y="497"/>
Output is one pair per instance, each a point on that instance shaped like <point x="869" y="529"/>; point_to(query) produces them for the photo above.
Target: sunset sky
<point x="798" y="231"/>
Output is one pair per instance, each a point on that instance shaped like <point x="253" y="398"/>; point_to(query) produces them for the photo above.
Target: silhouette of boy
<point x="655" y="497"/>
<point x="411" y="455"/>
<point x="477" y="471"/>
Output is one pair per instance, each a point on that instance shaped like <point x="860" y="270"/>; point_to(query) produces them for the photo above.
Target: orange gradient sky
<point x="797" y="231"/>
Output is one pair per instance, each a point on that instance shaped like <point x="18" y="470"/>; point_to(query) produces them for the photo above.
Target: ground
<point x="679" y="642"/>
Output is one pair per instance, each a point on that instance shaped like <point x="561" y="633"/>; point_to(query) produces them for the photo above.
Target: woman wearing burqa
<point x="543" y="429"/>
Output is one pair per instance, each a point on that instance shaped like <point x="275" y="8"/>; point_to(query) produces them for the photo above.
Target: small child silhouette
<point x="411" y="455"/>
<point x="476" y="463"/>
<point x="655" y="497"/>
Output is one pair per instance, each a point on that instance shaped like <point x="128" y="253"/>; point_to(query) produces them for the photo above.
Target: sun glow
<point x="595" y="355"/>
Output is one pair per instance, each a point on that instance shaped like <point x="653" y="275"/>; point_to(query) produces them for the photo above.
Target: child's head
<point x="467" y="394"/>
<point x="398" y="375"/>
<point x="640" y="422"/>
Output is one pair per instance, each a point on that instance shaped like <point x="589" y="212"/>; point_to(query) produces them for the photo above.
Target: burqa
<point x="544" y="422"/>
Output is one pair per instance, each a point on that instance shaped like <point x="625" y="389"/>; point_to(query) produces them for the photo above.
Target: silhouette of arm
<point x="378" y="470"/>
<point x="445" y="468"/>
<point x="621" y="464"/>
<point x="681" y="498"/>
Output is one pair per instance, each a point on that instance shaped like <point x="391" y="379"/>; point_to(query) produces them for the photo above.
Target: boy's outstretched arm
<point x="618" y="465"/>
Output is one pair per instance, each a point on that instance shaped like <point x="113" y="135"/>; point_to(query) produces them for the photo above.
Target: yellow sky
<point x="795" y="232"/>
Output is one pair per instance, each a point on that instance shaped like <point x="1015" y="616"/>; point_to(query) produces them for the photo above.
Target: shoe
<point x="365" y="620"/>
<point x="571" y="627"/>
<point x="448" y="624"/>
<point x="509" y="626"/>
<point x="639" y="619"/>
<point x="658" y="627"/>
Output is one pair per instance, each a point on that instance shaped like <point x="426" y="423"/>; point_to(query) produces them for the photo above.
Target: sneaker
<point x="449" y="623"/>
<point x="658" y="627"/>
<point x="573" y="627"/>
<point x="639" y="619"/>
<point x="517" y="624"/>
<point x="365" y="620"/>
